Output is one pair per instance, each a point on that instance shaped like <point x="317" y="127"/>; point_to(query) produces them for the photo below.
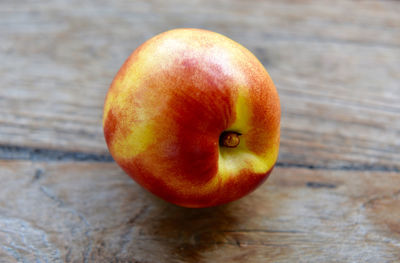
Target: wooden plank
<point x="334" y="196"/>
<point x="336" y="66"/>
<point x="93" y="212"/>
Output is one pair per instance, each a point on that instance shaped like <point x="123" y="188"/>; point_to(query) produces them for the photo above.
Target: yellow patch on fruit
<point x="137" y="141"/>
<point x="235" y="159"/>
<point x="134" y="132"/>
<point x="242" y="112"/>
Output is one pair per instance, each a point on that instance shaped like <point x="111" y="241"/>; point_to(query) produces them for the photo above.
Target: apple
<point x="193" y="117"/>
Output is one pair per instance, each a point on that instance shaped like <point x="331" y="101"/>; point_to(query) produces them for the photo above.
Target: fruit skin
<point x="168" y="105"/>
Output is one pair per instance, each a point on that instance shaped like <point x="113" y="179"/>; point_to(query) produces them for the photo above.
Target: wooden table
<point x="333" y="197"/>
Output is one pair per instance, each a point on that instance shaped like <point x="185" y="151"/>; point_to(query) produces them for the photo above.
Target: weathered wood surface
<point x="93" y="212"/>
<point x="336" y="66"/>
<point x="334" y="196"/>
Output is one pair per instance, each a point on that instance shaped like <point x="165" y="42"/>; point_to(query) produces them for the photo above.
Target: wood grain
<point x="92" y="212"/>
<point x="333" y="197"/>
<point x="336" y="67"/>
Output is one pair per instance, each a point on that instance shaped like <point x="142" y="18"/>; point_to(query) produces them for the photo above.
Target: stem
<point x="229" y="139"/>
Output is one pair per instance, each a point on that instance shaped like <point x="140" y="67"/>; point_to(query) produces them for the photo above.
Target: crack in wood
<point x="261" y="231"/>
<point x="140" y="213"/>
<point x="126" y="238"/>
<point x="320" y="185"/>
<point x="47" y="192"/>
<point x="38" y="174"/>
<point x="346" y="167"/>
<point x="24" y="240"/>
<point x="14" y="152"/>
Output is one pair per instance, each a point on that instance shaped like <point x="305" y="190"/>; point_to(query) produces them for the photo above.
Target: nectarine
<point x="193" y="117"/>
